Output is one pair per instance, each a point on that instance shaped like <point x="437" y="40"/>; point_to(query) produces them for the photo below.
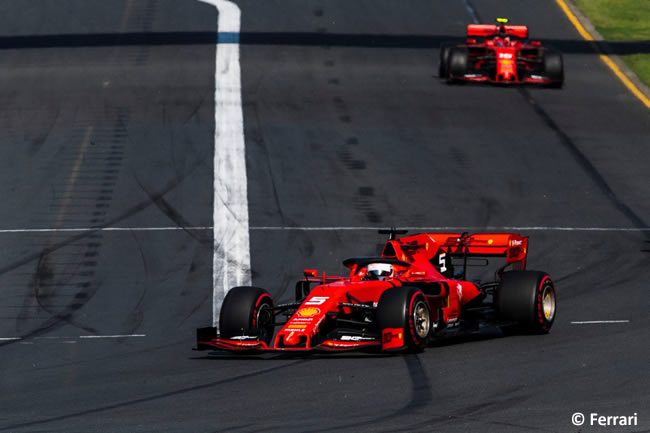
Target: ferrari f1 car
<point x="416" y="290"/>
<point x="501" y="53"/>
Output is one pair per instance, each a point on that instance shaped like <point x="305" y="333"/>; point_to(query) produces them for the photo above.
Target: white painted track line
<point x="600" y="322"/>
<point x="467" y="228"/>
<point x="331" y="228"/>
<point x="231" y="248"/>
<point x="114" y="336"/>
<point x="105" y="229"/>
<point x="80" y="337"/>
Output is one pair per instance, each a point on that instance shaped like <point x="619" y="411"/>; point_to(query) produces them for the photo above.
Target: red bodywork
<point x="421" y="260"/>
<point x="502" y="54"/>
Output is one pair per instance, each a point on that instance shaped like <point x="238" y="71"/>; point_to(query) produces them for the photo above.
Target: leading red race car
<point x="501" y="53"/>
<point x="416" y="290"/>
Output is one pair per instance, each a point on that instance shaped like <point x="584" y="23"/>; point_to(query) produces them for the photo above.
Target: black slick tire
<point x="458" y="62"/>
<point x="554" y="68"/>
<point x="247" y="311"/>
<point x="406" y="308"/>
<point x="443" y="66"/>
<point x="527" y="301"/>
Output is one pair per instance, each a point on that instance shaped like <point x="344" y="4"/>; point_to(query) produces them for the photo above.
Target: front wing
<point x="480" y="78"/>
<point x="207" y="339"/>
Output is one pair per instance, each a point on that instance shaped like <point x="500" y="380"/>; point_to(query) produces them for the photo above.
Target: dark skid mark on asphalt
<point x="135" y="402"/>
<point x="47" y="326"/>
<point x="420" y="386"/>
<point x="436" y="421"/>
<point x="50" y="281"/>
<point x="294" y="39"/>
<point x="584" y="162"/>
<point x="420" y="397"/>
<point x="170" y="212"/>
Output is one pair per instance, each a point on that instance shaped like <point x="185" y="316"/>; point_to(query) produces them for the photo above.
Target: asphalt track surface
<point x="345" y="125"/>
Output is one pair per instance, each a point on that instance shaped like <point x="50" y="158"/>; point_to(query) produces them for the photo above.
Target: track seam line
<point x="326" y="228"/>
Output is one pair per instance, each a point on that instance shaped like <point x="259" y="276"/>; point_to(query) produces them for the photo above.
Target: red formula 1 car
<point x="501" y="53"/>
<point x="416" y="290"/>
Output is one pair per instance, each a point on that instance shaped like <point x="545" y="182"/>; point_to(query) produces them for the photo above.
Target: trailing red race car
<point x="501" y="53"/>
<point x="416" y="290"/>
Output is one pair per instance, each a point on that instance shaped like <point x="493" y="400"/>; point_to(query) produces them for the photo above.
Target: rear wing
<point x="485" y="30"/>
<point x="512" y="246"/>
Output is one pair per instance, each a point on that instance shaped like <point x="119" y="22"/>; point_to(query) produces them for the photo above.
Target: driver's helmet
<point x="379" y="271"/>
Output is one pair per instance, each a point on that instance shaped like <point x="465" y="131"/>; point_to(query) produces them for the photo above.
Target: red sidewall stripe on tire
<point x="411" y="323"/>
<point x="540" y="301"/>
<point x="257" y="304"/>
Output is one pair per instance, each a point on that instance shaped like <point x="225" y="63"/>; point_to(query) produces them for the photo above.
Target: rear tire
<point x="554" y="68"/>
<point x="406" y="308"/>
<point x="527" y="300"/>
<point x="458" y="62"/>
<point x="247" y="311"/>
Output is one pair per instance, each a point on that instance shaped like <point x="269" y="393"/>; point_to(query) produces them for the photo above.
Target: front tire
<point x="527" y="300"/>
<point x="458" y="62"/>
<point x="554" y="68"/>
<point x="247" y="311"/>
<point x="406" y="308"/>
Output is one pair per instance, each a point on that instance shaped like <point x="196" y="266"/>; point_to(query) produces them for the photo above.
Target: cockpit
<point x="375" y="268"/>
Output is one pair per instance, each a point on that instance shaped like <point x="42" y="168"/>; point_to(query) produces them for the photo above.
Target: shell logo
<point x="308" y="312"/>
<point x="490" y="241"/>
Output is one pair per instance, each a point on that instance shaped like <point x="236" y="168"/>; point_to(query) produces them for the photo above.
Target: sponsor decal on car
<point x="299" y="326"/>
<point x="355" y="338"/>
<point x="317" y="300"/>
<point x="302" y="319"/>
<point x="392" y="338"/>
<point x="308" y="312"/>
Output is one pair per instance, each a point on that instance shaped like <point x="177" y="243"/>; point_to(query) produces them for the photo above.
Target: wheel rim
<point x="421" y="319"/>
<point x="548" y="302"/>
<point x="264" y="316"/>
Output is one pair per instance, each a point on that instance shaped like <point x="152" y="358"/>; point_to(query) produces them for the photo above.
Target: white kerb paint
<point x="231" y="256"/>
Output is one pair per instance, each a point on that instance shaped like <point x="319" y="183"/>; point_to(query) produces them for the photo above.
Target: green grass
<point x="622" y="20"/>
